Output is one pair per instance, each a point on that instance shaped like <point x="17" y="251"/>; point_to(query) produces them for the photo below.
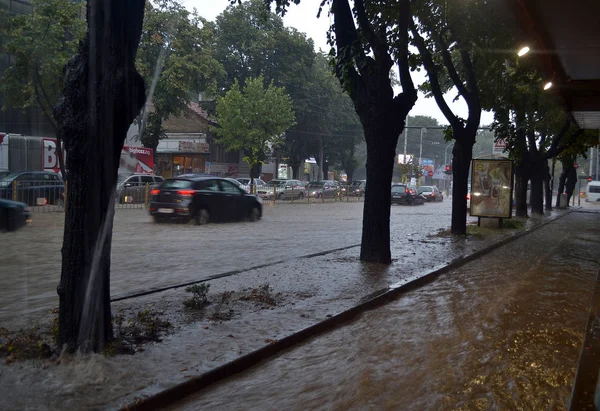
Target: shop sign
<point x="193" y="147"/>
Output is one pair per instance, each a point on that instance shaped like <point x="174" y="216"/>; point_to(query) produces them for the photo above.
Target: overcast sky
<point x="304" y="18"/>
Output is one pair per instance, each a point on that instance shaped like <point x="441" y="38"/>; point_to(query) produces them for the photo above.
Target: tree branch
<point x="348" y="47"/>
<point x="552" y="150"/>
<point x="409" y="92"/>
<point x="433" y="78"/>
<point x="376" y="42"/>
<point x="447" y="59"/>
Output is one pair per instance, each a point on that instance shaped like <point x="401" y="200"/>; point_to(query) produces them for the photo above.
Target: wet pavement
<point x="148" y="256"/>
<point x="502" y="332"/>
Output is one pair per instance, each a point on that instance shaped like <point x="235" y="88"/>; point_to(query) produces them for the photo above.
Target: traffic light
<point x="589" y="179"/>
<point x="448" y="169"/>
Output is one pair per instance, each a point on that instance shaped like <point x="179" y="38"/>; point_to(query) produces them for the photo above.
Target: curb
<point x="226" y="274"/>
<point x="193" y="385"/>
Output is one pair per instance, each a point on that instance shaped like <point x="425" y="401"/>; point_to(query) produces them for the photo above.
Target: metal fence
<point x="43" y="196"/>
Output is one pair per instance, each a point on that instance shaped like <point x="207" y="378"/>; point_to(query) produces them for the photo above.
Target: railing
<point x="42" y="196"/>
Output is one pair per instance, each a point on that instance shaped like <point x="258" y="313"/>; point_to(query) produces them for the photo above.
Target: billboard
<point x="491" y="188"/>
<point x="137" y="160"/>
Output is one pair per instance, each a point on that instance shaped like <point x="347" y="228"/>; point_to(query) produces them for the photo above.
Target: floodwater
<point x="502" y="332"/>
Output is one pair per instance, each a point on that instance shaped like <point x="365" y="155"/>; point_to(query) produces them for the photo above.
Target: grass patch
<point x="145" y="326"/>
<point x="222" y="311"/>
<point x="24" y="345"/>
<point x="199" y="298"/>
<point x="511" y="223"/>
<point x="262" y="294"/>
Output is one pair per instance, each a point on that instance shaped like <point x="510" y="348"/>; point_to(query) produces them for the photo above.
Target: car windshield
<point x="316" y="184"/>
<point x="169" y="184"/>
<point x="244" y="180"/>
<point x="356" y="183"/>
<point x="7" y="176"/>
<point x="277" y="183"/>
<point x="426" y="189"/>
<point x="398" y="189"/>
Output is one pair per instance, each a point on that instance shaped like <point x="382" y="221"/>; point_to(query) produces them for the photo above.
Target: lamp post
<point x="423" y="130"/>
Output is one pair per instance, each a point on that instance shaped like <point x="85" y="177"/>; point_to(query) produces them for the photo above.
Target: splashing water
<point x="91" y="317"/>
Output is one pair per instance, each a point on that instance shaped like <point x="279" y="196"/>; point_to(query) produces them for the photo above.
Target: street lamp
<point x="423" y="130"/>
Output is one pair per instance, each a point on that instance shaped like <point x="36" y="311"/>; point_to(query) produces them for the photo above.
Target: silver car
<point x="131" y="188"/>
<point x="282" y="190"/>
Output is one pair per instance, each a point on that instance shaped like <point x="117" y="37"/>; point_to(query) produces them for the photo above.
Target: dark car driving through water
<point x="202" y="199"/>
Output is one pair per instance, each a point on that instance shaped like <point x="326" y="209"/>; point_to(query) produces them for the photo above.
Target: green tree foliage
<point x="454" y="40"/>
<point x="253" y="118"/>
<point x="250" y="41"/>
<point x="40" y="45"/>
<point x="175" y="58"/>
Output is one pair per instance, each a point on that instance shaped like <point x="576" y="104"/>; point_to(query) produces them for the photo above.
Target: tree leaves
<point x="40" y="44"/>
<point x="253" y="118"/>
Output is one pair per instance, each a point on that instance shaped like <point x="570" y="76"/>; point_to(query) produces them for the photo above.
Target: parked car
<point x="403" y="194"/>
<point x="431" y="193"/>
<point x="13" y="215"/>
<point x="593" y="191"/>
<point x="131" y="188"/>
<point x="202" y="200"/>
<point x="325" y="189"/>
<point x="283" y="189"/>
<point x="4" y="174"/>
<point x="34" y="188"/>
<point x="357" y="188"/>
<point x="245" y="182"/>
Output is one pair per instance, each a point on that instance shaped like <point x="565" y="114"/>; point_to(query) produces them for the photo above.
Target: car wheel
<point x="254" y="214"/>
<point x="281" y="196"/>
<point x="158" y="219"/>
<point x="202" y="217"/>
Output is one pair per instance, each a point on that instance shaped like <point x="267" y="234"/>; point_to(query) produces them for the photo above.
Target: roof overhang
<point x="565" y="36"/>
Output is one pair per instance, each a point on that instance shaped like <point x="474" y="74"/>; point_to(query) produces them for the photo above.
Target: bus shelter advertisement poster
<point x="491" y="188"/>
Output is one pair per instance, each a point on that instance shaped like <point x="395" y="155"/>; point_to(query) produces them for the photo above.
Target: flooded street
<point x="502" y="332"/>
<point x="147" y="256"/>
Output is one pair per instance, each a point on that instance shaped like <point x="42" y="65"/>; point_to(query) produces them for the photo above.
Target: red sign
<point x="137" y="160"/>
<point x="50" y="155"/>
<point x="575" y="165"/>
<point x="430" y="173"/>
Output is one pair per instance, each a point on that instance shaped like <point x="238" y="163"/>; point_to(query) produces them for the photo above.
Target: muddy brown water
<point x="502" y="332"/>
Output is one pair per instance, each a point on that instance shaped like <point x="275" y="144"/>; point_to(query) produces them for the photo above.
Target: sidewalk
<point x="306" y="292"/>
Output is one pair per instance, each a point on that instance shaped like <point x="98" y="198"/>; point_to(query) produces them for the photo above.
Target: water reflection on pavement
<point x="502" y="332"/>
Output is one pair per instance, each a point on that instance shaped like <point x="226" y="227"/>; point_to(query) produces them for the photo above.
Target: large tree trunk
<point x="381" y="148"/>
<point x="462" y="153"/>
<point x="521" y="180"/>
<point x="571" y="182"/>
<point x="561" y="185"/>
<point x="547" y="187"/>
<point x="103" y="94"/>
<point x="538" y="175"/>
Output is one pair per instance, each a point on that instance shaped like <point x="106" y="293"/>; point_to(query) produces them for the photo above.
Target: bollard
<point x="308" y="195"/>
<point x="292" y="194"/>
<point x="274" y="193"/>
<point x="146" y="199"/>
<point x="323" y="194"/>
<point x="348" y="194"/>
<point x="65" y="196"/>
<point x="14" y="193"/>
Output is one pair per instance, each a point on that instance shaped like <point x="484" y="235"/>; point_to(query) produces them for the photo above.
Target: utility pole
<point x="423" y="130"/>
<point x="405" y="138"/>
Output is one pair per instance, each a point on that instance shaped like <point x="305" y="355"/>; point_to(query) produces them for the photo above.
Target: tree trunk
<point x="295" y="164"/>
<point x="571" y="182"/>
<point x="381" y="148"/>
<point x="462" y="153"/>
<point x="547" y="187"/>
<point x="103" y="94"/>
<point x="320" y="159"/>
<point x="521" y="180"/>
<point x="325" y="170"/>
<point x="538" y="175"/>
<point x="561" y="185"/>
